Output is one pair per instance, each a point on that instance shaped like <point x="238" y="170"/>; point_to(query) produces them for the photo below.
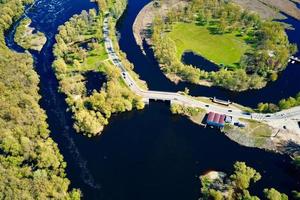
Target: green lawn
<point x="94" y="59"/>
<point x="224" y="49"/>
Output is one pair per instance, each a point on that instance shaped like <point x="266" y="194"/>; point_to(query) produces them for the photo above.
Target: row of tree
<point x="31" y="166"/>
<point x="269" y="53"/>
<point x="91" y="112"/>
<point x="282" y="105"/>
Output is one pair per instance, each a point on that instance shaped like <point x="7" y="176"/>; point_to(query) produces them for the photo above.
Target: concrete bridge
<point x="287" y="119"/>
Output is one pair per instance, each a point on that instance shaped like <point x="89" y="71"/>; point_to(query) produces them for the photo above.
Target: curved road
<point x="287" y="119"/>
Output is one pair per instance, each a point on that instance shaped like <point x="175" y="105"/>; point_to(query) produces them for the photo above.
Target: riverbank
<point x="143" y="21"/>
<point x="270" y="136"/>
<point x="268" y="9"/>
<point x="259" y="135"/>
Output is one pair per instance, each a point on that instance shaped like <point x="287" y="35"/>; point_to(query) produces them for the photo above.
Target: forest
<point x="90" y="112"/>
<point x="31" y="166"/>
<point x="267" y="56"/>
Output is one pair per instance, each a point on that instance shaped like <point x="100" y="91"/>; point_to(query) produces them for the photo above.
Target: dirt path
<point x="286" y="6"/>
<point x="265" y="11"/>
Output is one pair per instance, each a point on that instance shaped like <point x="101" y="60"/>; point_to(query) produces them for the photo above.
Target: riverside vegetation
<point x="254" y="53"/>
<point x="31" y="166"/>
<point x="218" y="186"/>
<point x="91" y="113"/>
<point x="282" y="105"/>
<point x="25" y="37"/>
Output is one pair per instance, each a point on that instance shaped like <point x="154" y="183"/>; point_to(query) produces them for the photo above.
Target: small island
<point x="26" y="37"/>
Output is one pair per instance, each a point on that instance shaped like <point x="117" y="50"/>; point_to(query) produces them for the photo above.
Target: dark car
<point x="246" y="113"/>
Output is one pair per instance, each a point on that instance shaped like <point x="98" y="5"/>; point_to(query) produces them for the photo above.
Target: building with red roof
<point x="215" y="119"/>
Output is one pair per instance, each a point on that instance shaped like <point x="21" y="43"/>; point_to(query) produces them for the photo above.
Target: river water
<point x="147" y="154"/>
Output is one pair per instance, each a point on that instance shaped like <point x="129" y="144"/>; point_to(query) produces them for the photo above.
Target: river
<point x="147" y="154"/>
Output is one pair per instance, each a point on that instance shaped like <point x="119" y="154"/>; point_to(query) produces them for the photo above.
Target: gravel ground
<point x="267" y="8"/>
<point x="262" y="9"/>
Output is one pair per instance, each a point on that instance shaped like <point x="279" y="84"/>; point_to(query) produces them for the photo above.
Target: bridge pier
<point x="146" y="101"/>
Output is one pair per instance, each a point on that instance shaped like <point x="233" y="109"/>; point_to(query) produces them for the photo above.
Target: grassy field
<point x="259" y="131"/>
<point x="96" y="56"/>
<point x="255" y="134"/>
<point x="224" y="49"/>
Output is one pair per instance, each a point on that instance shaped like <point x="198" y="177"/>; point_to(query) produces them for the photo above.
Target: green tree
<point x="273" y="194"/>
<point x="243" y="176"/>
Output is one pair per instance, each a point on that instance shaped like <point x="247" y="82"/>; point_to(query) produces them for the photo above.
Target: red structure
<point x="215" y="119"/>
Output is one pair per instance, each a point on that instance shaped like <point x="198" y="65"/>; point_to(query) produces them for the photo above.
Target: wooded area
<point x="91" y="113"/>
<point x="31" y="166"/>
<point x="268" y="55"/>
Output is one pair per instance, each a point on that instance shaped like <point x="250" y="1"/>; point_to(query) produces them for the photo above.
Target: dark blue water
<point x="287" y="84"/>
<point x="190" y="58"/>
<point x="94" y="81"/>
<point x="149" y="154"/>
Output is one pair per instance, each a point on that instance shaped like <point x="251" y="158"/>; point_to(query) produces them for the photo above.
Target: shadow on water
<point x="190" y="58"/>
<point x="94" y="81"/>
<point x="147" y="154"/>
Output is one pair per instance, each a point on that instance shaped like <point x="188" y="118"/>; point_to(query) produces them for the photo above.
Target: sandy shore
<point x="146" y="16"/>
<point x="267" y="8"/>
<point x="286" y="6"/>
